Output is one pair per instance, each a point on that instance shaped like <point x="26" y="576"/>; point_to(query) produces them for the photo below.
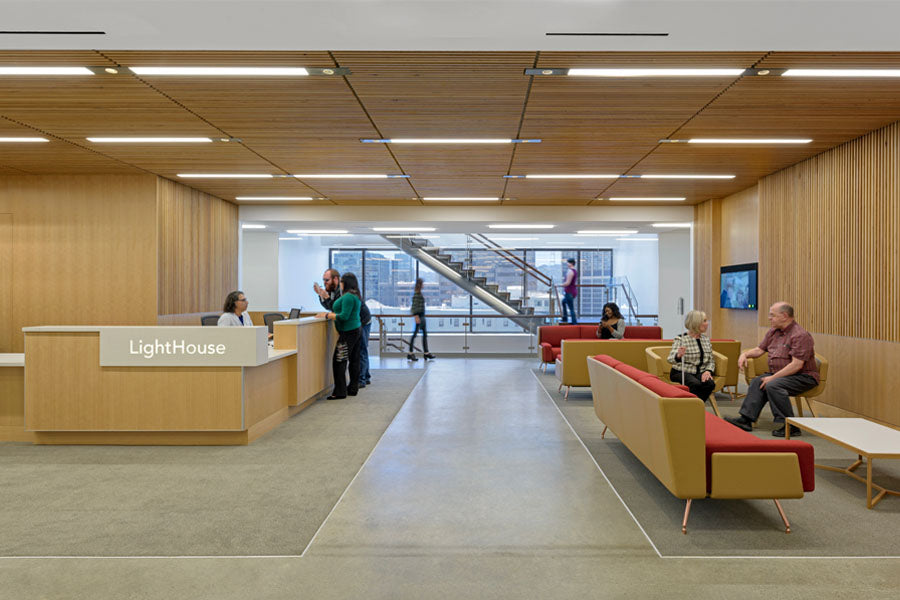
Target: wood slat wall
<point x="198" y="249"/>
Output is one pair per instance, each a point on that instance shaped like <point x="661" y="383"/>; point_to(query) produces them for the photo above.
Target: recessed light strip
<point x="350" y="176"/>
<point x="841" y="73"/>
<point x="252" y="226"/>
<point x="14" y="71"/>
<point x="764" y="141"/>
<point x="226" y="175"/>
<point x="607" y="231"/>
<point x="520" y="226"/>
<point x="150" y="140"/>
<point x="22" y="140"/>
<point x="655" y="72"/>
<point x="672" y="225"/>
<point x="402" y="229"/>
<point x="618" y="176"/>
<point x="275" y="198"/>
<point x="460" y="199"/>
<point x="448" y="141"/>
<point x="223" y="71"/>
<point x="319" y="231"/>
<point x="647" y="199"/>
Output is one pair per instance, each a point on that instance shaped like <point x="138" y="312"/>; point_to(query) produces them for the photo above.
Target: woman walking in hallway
<point x="417" y="309"/>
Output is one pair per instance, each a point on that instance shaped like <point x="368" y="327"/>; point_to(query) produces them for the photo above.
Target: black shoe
<point x="335" y="397"/>
<point x="352" y="393"/>
<point x="362" y="385"/>
<point x="741" y="422"/>
<point x="429" y="356"/>
<point x="795" y="431"/>
<point x="411" y="357"/>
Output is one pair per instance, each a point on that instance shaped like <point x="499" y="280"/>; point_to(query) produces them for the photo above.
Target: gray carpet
<point x="268" y="498"/>
<point x="831" y="521"/>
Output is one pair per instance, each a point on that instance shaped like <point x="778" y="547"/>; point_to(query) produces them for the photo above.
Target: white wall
<point x="259" y="269"/>
<point x="675" y="280"/>
<point x="639" y="262"/>
<point x="301" y="263"/>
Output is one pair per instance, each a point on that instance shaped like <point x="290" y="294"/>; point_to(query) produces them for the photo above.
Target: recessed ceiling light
<point x="764" y="141"/>
<point x="274" y="198"/>
<point x="612" y="232"/>
<point x="648" y="199"/>
<point x="684" y="176"/>
<point x="636" y="239"/>
<point x="460" y="199"/>
<point x="349" y="176"/>
<point x="572" y="176"/>
<point x="149" y="140"/>
<point x="22" y="140"/>
<point x="286" y="239"/>
<point x="398" y="229"/>
<point x="448" y="141"/>
<point x="318" y="231"/>
<point x="672" y="225"/>
<point x="223" y="71"/>
<point x="520" y="226"/>
<point x="655" y="72"/>
<point x="514" y="239"/>
<point x="252" y="226"/>
<point x="225" y="175"/>
<point x="45" y="71"/>
<point x="841" y="73"/>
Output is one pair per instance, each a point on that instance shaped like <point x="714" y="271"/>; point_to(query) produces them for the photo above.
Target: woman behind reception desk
<point x="235" y="314"/>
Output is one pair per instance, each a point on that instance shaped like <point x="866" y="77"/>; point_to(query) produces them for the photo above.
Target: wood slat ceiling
<point x="313" y="125"/>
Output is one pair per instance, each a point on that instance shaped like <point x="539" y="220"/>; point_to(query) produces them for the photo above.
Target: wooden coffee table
<point x="867" y="439"/>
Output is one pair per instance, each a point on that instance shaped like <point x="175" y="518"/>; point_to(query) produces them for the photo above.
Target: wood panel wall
<point x="198" y="249"/>
<point x="82" y="252"/>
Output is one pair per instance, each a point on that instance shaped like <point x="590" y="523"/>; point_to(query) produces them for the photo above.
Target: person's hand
<point x="742" y="361"/>
<point x="316" y="288"/>
<point x="680" y="352"/>
<point x="418" y="319"/>
<point x="765" y="380"/>
<point x="322" y="315"/>
<point x="707" y="376"/>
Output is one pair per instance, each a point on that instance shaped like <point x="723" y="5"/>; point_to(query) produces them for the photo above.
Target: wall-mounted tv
<point x="738" y="287"/>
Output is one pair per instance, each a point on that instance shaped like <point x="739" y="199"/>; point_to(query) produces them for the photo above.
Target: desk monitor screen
<point x="738" y="287"/>
<point x="295" y="313"/>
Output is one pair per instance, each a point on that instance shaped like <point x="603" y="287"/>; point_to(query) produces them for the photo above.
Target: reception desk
<point x="169" y="385"/>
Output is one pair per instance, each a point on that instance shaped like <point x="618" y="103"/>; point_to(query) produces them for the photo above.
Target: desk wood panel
<point x="268" y="389"/>
<point x="6" y="281"/>
<point x="315" y="345"/>
<point x="67" y="390"/>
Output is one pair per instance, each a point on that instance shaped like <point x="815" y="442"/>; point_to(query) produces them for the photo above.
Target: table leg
<point x="869" y="482"/>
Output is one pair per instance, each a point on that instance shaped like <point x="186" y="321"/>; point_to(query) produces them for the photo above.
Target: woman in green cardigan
<point x="346" y="321"/>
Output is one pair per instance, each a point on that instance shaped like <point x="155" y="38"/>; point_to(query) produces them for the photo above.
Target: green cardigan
<point x="346" y="312"/>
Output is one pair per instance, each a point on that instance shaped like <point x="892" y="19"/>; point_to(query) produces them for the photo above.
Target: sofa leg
<point x="687" y="511"/>
<point x="715" y="406"/>
<point x="787" y="525"/>
<point x="603" y="433"/>
<point x="567" y="392"/>
<point x="559" y="389"/>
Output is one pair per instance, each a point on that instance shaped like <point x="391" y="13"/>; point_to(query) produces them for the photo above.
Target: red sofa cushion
<point x="722" y="436"/>
<point x="588" y="332"/>
<point x="643" y="332"/>
<point x="629" y="371"/>
<point x="663" y="389"/>
<point x="555" y="334"/>
<point x="608" y="360"/>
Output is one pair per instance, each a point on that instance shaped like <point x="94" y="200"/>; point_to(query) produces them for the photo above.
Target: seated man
<point x="792" y="370"/>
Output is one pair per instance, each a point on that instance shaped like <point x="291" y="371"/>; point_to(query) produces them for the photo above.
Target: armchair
<point x="659" y="366"/>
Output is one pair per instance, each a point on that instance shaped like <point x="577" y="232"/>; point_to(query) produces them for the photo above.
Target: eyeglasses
<point x="241" y="300"/>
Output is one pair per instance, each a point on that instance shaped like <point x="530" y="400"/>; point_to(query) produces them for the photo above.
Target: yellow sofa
<point x="571" y="365"/>
<point x="672" y="437"/>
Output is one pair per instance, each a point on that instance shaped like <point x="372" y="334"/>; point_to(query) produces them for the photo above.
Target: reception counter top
<point x="170" y="385"/>
<point x="12" y="360"/>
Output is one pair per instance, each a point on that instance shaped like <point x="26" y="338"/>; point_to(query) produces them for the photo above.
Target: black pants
<point x="349" y="339"/>
<point x="701" y="389"/>
<point x="777" y="394"/>
<point x="420" y="326"/>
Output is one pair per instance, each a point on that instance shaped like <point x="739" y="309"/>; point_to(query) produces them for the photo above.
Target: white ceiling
<point x="840" y="25"/>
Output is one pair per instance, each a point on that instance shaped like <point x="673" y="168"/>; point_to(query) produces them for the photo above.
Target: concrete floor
<point x="478" y="489"/>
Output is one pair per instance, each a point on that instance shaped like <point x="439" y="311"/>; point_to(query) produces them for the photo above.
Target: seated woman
<point x="612" y="325"/>
<point x="235" y="314"/>
<point x="692" y="357"/>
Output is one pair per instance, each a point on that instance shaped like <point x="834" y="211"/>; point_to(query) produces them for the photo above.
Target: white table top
<point x="277" y="354"/>
<point x="860" y="435"/>
<point x="12" y="360"/>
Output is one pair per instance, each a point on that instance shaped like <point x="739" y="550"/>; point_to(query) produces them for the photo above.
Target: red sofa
<point x="694" y="453"/>
<point x="550" y="337"/>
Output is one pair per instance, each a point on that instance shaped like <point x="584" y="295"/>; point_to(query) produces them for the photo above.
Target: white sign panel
<point x="183" y="346"/>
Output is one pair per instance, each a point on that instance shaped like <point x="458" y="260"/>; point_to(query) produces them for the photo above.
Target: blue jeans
<point x="568" y="301"/>
<point x="364" y="375"/>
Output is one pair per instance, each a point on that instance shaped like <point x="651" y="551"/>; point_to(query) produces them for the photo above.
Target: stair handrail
<point x="496" y="248"/>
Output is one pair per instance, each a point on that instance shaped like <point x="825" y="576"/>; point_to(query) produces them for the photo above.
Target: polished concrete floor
<point x="478" y="489"/>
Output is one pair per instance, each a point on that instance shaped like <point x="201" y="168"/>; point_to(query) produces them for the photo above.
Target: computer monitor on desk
<point x="295" y="313"/>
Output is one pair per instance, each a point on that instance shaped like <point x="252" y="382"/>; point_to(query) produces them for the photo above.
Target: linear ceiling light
<point x="636" y="239"/>
<point x="460" y="199"/>
<point x="449" y="141"/>
<point x="150" y="140"/>
<point x="765" y="141"/>
<point x="682" y="176"/>
<point x="672" y="225"/>
<point x="399" y="229"/>
<point x="223" y="71"/>
<point x="648" y="199"/>
<point x="252" y="226"/>
<point x="45" y="71"/>
<point x="225" y="175"/>
<point x="582" y="176"/>
<point x="22" y="140"/>
<point x="654" y="72"/>
<point x="275" y="198"/>
<point x="841" y="73"/>
<point x="520" y="226"/>
<point x="514" y="239"/>
<point x="319" y="231"/>
<point x="289" y="239"/>
<point x="350" y="176"/>
<point x="607" y="231"/>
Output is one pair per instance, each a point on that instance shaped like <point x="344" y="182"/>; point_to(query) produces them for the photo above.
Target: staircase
<point x="465" y="278"/>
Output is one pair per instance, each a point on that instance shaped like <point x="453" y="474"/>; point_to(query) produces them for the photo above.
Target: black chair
<point x="209" y="320"/>
<point x="270" y="318"/>
<point x="295" y="313"/>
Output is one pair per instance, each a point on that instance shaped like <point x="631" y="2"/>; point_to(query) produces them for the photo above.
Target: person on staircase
<point x="417" y="309"/>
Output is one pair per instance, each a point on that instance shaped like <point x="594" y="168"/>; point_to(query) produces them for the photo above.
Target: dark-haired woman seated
<point x="235" y="311"/>
<point x="612" y="325"/>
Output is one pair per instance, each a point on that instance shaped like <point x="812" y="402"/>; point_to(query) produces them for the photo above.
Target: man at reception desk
<point x="235" y="314"/>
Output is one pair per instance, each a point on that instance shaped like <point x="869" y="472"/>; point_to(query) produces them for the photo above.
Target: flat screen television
<point x="738" y="287"/>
